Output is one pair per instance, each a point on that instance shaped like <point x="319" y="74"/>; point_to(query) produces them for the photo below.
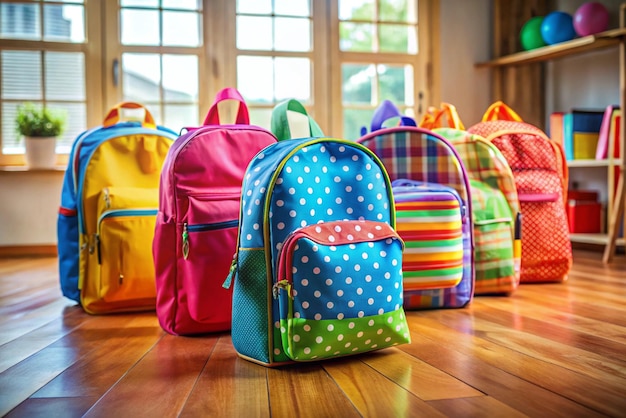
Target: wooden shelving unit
<point x="612" y="38"/>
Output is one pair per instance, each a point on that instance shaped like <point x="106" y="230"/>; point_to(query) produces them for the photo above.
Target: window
<point x="274" y="43"/>
<point x="156" y="60"/>
<point x="43" y="61"/>
<point x="339" y="58"/>
<point x="377" y="48"/>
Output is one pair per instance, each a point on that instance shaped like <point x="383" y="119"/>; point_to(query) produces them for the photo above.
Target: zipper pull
<point x="92" y="243"/>
<point x="231" y="273"/>
<point x="281" y="284"/>
<point x="185" y="241"/>
<point x="107" y="198"/>
<point x="97" y="238"/>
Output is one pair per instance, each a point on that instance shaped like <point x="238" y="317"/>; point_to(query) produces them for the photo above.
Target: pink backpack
<point x="197" y="223"/>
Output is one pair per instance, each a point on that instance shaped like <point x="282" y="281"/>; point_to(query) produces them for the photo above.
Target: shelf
<point x="588" y="163"/>
<point x="599" y="239"/>
<point x="586" y="43"/>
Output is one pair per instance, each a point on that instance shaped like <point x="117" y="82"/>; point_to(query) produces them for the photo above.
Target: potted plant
<point x="40" y="128"/>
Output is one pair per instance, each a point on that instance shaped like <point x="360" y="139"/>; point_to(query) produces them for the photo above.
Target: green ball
<point x="530" y="35"/>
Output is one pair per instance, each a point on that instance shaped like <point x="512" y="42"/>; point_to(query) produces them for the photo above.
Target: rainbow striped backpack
<point x="433" y="210"/>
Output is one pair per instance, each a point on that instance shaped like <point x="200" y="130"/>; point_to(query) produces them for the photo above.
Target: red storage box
<point x="584" y="216"/>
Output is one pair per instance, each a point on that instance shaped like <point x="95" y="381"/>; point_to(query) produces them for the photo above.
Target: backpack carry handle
<point x="113" y="115"/>
<point x="434" y="117"/>
<point x="280" y="120"/>
<point x="452" y="116"/>
<point x="228" y="93"/>
<point x="500" y="111"/>
<point x="385" y="111"/>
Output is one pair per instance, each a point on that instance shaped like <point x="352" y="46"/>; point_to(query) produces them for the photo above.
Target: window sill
<point x="25" y="169"/>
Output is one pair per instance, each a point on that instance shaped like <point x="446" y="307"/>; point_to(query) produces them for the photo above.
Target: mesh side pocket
<point x="250" y="306"/>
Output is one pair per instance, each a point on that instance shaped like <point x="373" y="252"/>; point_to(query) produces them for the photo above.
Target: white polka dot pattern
<point x="341" y="289"/>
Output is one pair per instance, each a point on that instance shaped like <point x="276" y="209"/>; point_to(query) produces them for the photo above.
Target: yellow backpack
<point x="109" y="202"/>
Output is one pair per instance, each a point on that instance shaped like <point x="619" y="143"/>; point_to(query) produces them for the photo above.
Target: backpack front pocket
<point x="209" y="241"/>
<point x="124" y="248"/>
<point x="494" y="236"/>
<point x="430" y="221"/>
<point x="339" y="288"/>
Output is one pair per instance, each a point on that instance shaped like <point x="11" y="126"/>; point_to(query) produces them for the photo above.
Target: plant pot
<point x="40" y="151"/>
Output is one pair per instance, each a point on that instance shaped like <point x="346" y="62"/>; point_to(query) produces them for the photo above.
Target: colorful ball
<point x="592" y="17"/>
<point x="557" y="27"/>
<point x="530" y="35"/>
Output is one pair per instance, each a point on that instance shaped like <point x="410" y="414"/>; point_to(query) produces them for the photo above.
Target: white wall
<point x="466" y="38"/>
<point x="29" y="204"/>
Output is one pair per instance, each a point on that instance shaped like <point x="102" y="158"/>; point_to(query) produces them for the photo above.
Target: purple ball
<point x="592" y="17"/>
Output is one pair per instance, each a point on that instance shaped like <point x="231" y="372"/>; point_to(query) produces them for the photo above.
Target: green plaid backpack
<point x="495" y="204"/>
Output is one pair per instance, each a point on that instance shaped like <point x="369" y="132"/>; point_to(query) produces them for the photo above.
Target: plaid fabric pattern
<point x="491" y="180"/>
<point x="419" y="154"/>
<point x="539" y="170"/>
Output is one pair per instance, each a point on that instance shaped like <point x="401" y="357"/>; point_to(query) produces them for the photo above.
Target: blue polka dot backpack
<point x="317" y="273"/>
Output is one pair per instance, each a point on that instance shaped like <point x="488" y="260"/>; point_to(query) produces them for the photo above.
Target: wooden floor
<point x="549" y="350"/>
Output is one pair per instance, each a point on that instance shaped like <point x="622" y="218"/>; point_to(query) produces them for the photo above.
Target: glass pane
<point x="292" y="79"/>
<point x="255" y="78"/>
<point x="140" y="3"/>
<point x="180" y="116"/>
<point x="354" y="119"/>
<point x="67" y="1"/>
<point x="257" y="7"/>
<point x="394" y="10"/>
<point x="356" y="37"/>
<point x="21" y="75"/>
<point x="11" y="142"/>
<point x="64" y="23"/>
<point x="397" y="38"/>
<point x="261" y="117"/>
<point x="292" y="7"/>
<point x="76" y="123"/>
<point x="254" y="33"/>
<point x="357" y="83"/>
<point x="146" y="33"/>
<point x="19" y="21"/>
<point x="356" y="10"/>
<point x="141" y="77"/>
<point x="65" y="75"/>
<point x="292" y="34"/>
<point x="182" y="4"/>
<point x="180" y="78"/>
<point x="181" y="29"/>
<point x="396" y="84"/>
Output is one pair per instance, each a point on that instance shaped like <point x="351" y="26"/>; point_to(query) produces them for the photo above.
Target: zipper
<point x="204" y="228"/>
<point x="406" y="191"/>
<point x="494" y="221"/>
<point x="538" y="197"/>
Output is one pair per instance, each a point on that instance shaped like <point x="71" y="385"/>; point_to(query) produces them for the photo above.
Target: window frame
<point x="217" y="60"/>
<point x="93" y="73"/>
